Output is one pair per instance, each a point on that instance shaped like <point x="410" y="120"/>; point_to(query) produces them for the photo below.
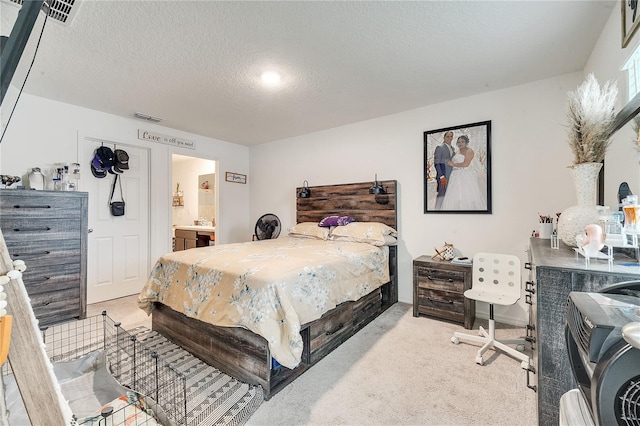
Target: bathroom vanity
<point x="191" y="236"/>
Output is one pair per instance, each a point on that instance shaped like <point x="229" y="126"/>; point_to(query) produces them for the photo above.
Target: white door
<point x="118" y="247"/>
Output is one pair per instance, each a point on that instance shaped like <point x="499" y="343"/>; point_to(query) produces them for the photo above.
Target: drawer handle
<point x="45" y="280"/>
<point x="527" y="299"/>
<point x="31" y="254"/>
<point x="527" y="265"/>
<point x="528" y="287"/>
<point x="329" y="333"/>
<point x="529" y="336"/>
<point x="448" y="302"/>
<point x="18" y="206"/>
<point x="530" y="369"/>
<point x="449" y="280"/>
<point x="46" y="228"/>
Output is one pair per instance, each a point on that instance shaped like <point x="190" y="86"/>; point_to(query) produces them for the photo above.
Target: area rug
<point x="213" y="398"/>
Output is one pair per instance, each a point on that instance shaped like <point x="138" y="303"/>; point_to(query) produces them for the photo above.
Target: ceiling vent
<point x="60" y="10"/>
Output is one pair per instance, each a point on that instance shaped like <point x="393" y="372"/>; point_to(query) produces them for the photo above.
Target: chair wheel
<point x="455" y="340"/>
<point x="520" y="347"/>
<point x="479" y="360"/>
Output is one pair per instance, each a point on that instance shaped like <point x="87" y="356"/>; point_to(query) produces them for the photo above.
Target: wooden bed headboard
<point x="352" y="199"/>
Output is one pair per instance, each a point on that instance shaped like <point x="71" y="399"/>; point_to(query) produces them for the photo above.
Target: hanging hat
<point x="99" y="173"/>
<point x="121" y="160"/>
<point x="102" y="161"/>
<point x="105" y="156"/>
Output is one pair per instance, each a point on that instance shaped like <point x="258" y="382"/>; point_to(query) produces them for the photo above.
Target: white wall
<point x="606" y="62"/>
<point x="530" y="156"/>
<point x="44" y="132"/>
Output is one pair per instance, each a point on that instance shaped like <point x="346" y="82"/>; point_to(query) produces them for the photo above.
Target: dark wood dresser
<point x="552" y="275"/>
<point x="438" y="290"/>
<point x="48" y="230"/>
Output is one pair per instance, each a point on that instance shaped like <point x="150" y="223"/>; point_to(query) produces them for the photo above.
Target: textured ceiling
<point x="196" y="64"/>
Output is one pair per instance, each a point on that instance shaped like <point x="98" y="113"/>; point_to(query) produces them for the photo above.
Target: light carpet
<point x="402" y="370"/>
<point x="213" y="398"/>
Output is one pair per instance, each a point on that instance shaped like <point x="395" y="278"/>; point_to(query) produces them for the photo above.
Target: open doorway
<point x="194" y="204"/>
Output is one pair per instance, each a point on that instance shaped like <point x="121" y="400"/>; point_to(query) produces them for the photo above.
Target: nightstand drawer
<point x="439" y="279"/>
<point x="441" y="304"/>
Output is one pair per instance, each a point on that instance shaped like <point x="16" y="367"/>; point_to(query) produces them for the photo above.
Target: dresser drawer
<point x="51" y="278"/>
<point x="441" y="304"/>
<point x="57" y="306"/>
<point x="39" y="253"/>
<point x="439" y="279"/>
<point x="39" y="205"/>
<point x="41" y="230"/>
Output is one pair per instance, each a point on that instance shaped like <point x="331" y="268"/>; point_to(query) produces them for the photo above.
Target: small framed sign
<point x="235" y="177"/>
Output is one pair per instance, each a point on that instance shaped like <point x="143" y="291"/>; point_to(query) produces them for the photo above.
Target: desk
<point x="553" y="274"/>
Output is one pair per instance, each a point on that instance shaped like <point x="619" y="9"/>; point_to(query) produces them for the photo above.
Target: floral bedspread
<point x="270" y="287"/>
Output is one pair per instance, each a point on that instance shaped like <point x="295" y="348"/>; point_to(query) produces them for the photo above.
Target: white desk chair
<point x="496" y="280"/>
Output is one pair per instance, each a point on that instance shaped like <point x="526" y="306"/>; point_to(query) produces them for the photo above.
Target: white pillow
<point x="375" y="233"/>
<point x="309" y="230"/>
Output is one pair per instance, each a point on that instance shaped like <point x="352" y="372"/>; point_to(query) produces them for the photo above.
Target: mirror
<point x="206" y="197"/>
<point x="622" y="159"/>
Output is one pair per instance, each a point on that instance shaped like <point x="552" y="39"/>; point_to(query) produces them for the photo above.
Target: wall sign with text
<point x="235" y="177"/>
<point x="146" y="135"/>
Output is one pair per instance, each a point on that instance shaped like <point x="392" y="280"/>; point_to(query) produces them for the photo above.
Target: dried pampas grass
<point x="590" y="117"/>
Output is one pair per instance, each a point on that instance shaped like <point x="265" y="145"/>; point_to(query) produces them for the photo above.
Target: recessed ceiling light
<point x="271" y="78"/>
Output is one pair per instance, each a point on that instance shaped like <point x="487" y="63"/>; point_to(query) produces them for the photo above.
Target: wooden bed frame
<point x="244" y="354"/>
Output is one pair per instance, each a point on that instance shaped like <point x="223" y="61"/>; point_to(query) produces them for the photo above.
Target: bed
<point x="307" y="332"/>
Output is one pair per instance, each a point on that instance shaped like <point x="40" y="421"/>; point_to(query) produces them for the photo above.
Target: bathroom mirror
<point x="206" y="197"/>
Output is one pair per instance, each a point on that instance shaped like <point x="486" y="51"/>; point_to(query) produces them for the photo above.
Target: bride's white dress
<point x="465" y="190"/>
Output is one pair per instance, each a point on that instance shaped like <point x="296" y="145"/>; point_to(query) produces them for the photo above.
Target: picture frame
<point x="468" y="190"/>
<point x="235" y="177"/>
<point x="630" y="20"/>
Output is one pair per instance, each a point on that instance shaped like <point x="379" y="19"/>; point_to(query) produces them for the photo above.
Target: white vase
<point x="574" y="219"/>
<point x="36" y="179"/>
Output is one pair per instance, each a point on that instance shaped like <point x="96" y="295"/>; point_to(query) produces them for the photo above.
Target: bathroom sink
<point x="196" y="228"/>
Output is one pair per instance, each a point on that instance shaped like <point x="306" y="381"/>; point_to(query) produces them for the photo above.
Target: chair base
<point x="488" y="339"/>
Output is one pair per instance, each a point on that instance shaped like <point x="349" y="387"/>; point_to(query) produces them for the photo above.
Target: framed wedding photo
<point x="630" y="20"/>
<point x="457" y="169"/>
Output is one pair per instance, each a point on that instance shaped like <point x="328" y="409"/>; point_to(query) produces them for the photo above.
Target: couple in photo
<point x="459" y="176"/>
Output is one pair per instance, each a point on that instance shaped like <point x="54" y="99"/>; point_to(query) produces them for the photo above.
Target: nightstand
<point x="438" y="290"/>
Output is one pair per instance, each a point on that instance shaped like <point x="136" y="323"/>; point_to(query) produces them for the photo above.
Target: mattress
<point x="270" y="287"/>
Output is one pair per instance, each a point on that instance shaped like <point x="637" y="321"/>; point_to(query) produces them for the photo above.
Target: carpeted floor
<point x="398" y="370"/>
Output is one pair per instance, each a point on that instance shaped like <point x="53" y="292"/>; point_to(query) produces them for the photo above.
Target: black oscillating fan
<point x="267" y="227"/>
